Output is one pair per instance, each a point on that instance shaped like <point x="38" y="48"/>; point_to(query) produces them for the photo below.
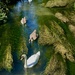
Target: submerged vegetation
<point x="55" y="30"/>
<point x="52" y="33"/>
<point x="11" y="41"/>
<point x="56" y="66"/>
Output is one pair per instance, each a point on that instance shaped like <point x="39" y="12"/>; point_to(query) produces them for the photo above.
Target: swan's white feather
<point x="29" y="1"/>
<point x="33" y="60"/>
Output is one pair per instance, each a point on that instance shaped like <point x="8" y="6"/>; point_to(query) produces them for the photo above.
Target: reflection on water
<point x="26" y="71"/>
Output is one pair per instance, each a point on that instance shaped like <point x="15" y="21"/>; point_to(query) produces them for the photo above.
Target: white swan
<point x="31" y="61"/>
<point x="29" y="1"/>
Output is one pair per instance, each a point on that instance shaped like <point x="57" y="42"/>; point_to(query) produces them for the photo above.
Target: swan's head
<point x="23" y="56"/>
<point x="38" y="53"/>
<point x="34" y="31"/>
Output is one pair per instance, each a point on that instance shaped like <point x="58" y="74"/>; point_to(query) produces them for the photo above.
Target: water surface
<point x="20" y="10"/>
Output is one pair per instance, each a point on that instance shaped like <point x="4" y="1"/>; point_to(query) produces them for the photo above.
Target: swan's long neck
<point x="25" y="62"/>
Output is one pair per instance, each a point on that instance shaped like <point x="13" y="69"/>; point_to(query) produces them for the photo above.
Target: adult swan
<point x="29" y="1"/>
<point x="31" y="61"/>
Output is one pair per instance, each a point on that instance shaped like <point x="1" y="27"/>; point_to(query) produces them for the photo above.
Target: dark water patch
<point x="70" y="67"/>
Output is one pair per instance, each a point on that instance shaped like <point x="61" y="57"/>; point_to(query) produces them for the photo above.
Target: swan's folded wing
<point x="32" y="60"/>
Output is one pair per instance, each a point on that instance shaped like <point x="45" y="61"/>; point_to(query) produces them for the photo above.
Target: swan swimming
<point x="33" y="36"/>
<point x="29" y="1"/>
<point x="31" y="61"/>
<point x="23" y="21"/>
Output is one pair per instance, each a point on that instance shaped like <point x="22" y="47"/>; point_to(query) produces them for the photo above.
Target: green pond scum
<point x="55" y="24"/>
